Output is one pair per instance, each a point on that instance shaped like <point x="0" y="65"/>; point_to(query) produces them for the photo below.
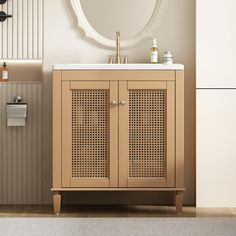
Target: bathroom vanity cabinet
<point x="118" y="130"/>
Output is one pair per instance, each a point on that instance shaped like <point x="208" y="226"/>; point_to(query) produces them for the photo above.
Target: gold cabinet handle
<point x="114" y="103"/>
<point x="122" y="102"/>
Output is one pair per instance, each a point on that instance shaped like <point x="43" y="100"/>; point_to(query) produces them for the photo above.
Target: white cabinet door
<point x="215" y="42"/>
<point x="216" y="148"/>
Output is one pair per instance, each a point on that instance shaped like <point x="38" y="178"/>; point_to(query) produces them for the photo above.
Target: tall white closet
<point x="216" y="103"/>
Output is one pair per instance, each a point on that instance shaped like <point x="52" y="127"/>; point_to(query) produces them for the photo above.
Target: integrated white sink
<point x="118" y="67"/>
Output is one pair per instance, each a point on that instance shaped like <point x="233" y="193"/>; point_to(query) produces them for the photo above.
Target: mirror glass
<point x="127" y="16"/>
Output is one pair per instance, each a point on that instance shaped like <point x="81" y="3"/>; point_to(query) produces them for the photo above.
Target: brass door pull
<point x="122" y="102"/>
<point x="114" y="103"/>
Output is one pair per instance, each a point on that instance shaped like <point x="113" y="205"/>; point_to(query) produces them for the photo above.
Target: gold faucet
<point x="118" y="58"/>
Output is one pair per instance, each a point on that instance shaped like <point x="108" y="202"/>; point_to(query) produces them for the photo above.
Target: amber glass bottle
<point x="4" y="73"/>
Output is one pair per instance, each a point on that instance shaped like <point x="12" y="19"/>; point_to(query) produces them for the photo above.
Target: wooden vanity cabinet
<point x="118" y="131"/>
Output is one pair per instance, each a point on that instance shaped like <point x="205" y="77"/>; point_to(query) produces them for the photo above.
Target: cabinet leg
<point x="57" y="202"/>
<point x="179" y="202"/>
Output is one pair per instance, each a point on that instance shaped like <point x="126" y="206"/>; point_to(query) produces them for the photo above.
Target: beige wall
<point x="63" y="44"/>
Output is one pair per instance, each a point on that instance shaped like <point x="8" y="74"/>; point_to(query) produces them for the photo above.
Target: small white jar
<point x="168" y="58"/>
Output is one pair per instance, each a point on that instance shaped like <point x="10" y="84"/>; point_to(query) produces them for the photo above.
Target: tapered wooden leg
<point x="57" y="202"/>
<point x="179" y="202"/>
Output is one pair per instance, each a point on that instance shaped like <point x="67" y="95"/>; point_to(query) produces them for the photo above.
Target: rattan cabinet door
<point x="146" y="134"/>
<point x="89" y="134"/>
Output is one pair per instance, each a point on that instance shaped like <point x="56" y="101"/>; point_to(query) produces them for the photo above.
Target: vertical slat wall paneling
<point x="20" y="29"/>
<point x="21" y="36"/>
<point x="9" y="29"/>
<point x="20" y="147"/>
<point x="14" y="30"/>
<point x="40" y="29"/>
<point x="24" y="29"/>
<point x="0" y="35"/>
<point x="30" y="28"/>
<point x="35" y="29"/>
<point x="4" y="34"/>
<point x="39" y="146"/>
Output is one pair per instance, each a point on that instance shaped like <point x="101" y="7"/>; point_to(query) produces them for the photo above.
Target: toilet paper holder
<point x="16" y="112"/>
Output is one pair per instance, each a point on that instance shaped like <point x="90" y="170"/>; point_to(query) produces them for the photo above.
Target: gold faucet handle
<point x="126" y="60"/>
<point x="110" y="60"/>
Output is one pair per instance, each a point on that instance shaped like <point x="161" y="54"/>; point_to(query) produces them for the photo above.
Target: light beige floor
<point x="113" y="211"/>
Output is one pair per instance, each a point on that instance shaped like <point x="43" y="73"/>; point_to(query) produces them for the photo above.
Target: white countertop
<point x="118" y="67"/>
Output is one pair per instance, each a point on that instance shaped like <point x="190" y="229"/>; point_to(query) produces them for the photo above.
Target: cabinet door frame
<point x="124" y="180"/>
<point x="67" y="180"/>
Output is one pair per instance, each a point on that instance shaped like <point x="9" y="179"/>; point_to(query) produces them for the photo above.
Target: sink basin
<point x="118" y="67"/>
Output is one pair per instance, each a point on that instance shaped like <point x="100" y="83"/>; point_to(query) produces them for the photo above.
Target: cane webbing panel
<point x="90" y="122"/>
<point x="147" y="133"/>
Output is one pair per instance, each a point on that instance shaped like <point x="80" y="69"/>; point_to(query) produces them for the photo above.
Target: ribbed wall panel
<point x="21" y="147"/>
<point x="21" y="36"/>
